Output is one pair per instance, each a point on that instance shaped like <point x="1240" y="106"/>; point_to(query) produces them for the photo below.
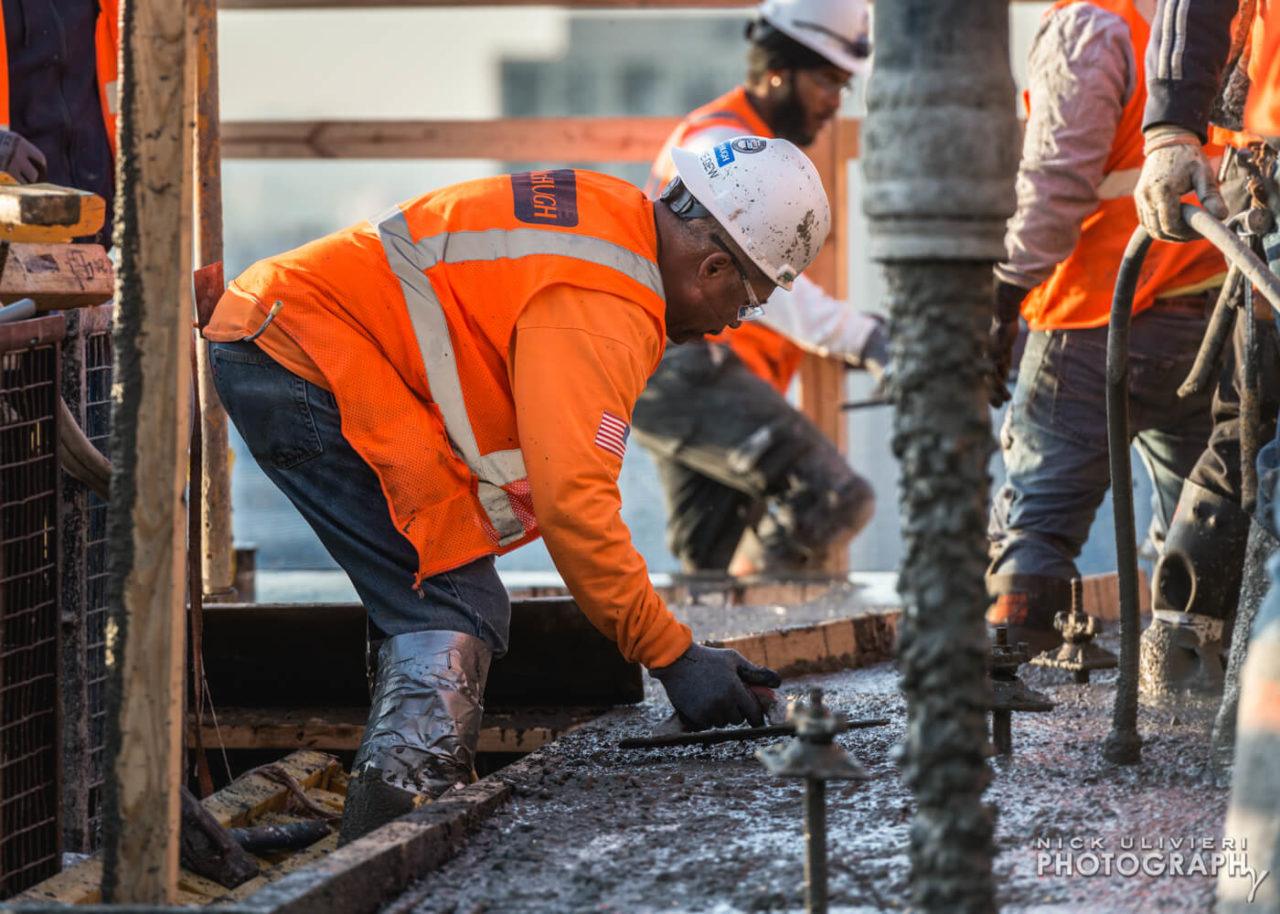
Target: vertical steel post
<point x="941" y="152"/>
<point x="815" y="833"/>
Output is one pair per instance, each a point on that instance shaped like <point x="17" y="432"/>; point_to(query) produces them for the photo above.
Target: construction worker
<point x="1214" y="58"/>
<point x="1081" y="152"/>
<point x="58" y="95"/>
<point x="455" y="377"/>
<point x="732" y="453"/>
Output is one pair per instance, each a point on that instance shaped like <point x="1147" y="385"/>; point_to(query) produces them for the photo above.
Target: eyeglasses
<point x="829" y="83"/>
<point x="752" y="310"/>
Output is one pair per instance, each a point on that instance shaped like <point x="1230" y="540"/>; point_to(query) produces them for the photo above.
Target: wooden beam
<point x="840" y="644"/>
<point x="822" y="379"/>
<point x="56" y="276"/>
<point x="147" y="526"/>
<point x="340" y="729"/>
<point x="218" y="559"/>
<point x="48" y="213"/>
<point x="545" y="139"/>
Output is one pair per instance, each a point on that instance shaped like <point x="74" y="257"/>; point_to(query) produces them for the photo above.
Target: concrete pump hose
<point x="1123" y="746"/>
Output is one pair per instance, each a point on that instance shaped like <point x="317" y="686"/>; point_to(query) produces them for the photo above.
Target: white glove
<point x="1174" y="165"/>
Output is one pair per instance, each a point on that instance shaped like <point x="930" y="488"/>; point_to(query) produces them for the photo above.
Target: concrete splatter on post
<point x="941" y="153"/>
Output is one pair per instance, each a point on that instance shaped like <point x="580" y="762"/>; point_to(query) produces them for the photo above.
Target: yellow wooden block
<point x="48" y="214"/>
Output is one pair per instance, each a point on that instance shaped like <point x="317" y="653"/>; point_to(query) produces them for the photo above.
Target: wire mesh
<point x="29" y="840"/>
<point x="97" y="403"/>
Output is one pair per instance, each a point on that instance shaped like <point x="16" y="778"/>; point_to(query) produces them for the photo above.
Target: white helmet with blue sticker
<point x="767" y="195"/>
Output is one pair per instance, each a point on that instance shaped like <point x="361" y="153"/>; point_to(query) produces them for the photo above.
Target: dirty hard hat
<point x="767" y="195"/>
<point x="839" y="30"/>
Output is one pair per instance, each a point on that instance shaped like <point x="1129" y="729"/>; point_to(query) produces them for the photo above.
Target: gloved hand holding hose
<point x="708" y="687"/>
<point x="1175" y="164"/>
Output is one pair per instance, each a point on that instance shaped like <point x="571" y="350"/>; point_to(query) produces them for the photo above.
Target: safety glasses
<point x="752" y="310"/>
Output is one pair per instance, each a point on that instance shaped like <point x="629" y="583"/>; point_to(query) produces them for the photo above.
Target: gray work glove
<point x="20" y="158"/>
<point x="708" y="687"/>
<point x="1001" y="336"/>
<point x="1175" y="164"/>
<point x="874" y="358"/>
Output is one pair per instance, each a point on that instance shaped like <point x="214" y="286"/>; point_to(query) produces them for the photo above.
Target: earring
<point x="775" y="81"/>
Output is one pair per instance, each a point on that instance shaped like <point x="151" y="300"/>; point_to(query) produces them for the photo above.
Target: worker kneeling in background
<point x="733" y="454"/>
<point x="455" y="377"/>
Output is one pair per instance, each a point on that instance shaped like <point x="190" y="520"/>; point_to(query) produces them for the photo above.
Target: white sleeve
<point x="816" y="322"/>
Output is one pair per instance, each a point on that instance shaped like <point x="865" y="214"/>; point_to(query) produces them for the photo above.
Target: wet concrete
<point x="593" y="828"/>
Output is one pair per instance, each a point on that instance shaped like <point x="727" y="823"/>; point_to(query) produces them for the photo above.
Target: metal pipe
<point x="19" y="310"/>
<point x="1123" y="746"/>
<point x="1209" y="358"/>
<point x="1250" y="408"/>
<point x="815" y="833"/>
<point x="1236" y="251"/>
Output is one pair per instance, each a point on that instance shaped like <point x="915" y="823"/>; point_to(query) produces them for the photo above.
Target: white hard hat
<point x="767" y="195"/>
<point x="839" y="30"/>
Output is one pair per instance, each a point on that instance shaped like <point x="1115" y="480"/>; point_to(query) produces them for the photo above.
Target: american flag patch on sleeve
<point x="612" y="434"/>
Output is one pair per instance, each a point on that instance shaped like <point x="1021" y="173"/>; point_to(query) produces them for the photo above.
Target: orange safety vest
<point x="107" y="44"/>
<point x="1262" y="108"/>
<point x="768" y="353"/>
<point x="410" y="317"/>
<point x="1078" y="294"/>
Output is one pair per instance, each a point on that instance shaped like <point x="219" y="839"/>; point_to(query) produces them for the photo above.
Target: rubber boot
<point x="1027" y="605"/>
<point x="423" y="727"/>
<point x="1194" y="589"/>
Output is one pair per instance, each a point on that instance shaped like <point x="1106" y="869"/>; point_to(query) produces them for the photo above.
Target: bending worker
<point x="732" y="453"/>
<point x="1211" y="57"/>
<point x="1081" y="152"/>
<point x="455" y="377"/>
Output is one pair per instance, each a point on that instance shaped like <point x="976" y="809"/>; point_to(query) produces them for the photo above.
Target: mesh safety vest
<point x="1078" y="294"/>
<point x="411" y="317"/>
<point x="106" y="45"/>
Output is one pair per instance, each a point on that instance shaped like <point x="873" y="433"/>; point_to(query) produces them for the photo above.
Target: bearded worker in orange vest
<point x="733" y="454"/>
<point x="1218" y="61"/>
<point x="454" y="378"/>
<point x="1080" y="161"/>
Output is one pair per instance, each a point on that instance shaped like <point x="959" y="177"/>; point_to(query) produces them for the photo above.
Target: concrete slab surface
<point x="594" y="828"/>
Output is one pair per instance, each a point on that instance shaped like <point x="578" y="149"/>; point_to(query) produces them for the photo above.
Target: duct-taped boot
<point x="1194" y="589"/>
<point x="1027" y="605"/>
<point x="423" y="727"/>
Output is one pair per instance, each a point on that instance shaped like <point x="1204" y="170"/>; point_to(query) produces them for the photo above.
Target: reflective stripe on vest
<point x="410" y="263"/>
<point x="1122" y="182"/>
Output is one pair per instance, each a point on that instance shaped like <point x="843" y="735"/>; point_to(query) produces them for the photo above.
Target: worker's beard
<point x="790" y="121"/>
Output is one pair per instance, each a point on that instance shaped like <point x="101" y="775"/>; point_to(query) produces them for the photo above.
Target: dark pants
<point x="294" y="432"/>
<point x="1055" y="437"/>
<point x="734" y="455"/>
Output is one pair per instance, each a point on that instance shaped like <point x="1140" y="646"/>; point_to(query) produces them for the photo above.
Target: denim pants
<point x="294" y="432"/>
<point x="1054" y="437"/>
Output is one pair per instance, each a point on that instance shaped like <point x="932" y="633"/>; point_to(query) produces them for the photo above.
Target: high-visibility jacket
<point x="107" y="46"/>
<point x="768" y="353"/>
<point x="1078" y="294"/>
<point x="412" y="319"/>
<point x="1262" y="108"/>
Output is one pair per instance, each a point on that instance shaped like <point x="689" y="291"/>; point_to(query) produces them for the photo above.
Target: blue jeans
<point x="1055" y="437"/>
<point x="294" y="432"/>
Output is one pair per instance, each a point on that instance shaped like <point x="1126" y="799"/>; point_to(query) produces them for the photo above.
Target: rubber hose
<point x="1205" y="369"/>
<point x="1123" y="746"/>
<point x="1236" y="251"/>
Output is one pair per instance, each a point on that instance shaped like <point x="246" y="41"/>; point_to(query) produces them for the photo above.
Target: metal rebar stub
<point x="814" y="756"/>
<point x="1008" y="692"/>
<point x="1077" y="654"/>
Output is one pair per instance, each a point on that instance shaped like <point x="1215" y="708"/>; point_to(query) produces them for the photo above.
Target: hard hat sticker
<point x="724" y="155"/>
<point x="546" y="197"/>
<point x="749" y="144"/>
